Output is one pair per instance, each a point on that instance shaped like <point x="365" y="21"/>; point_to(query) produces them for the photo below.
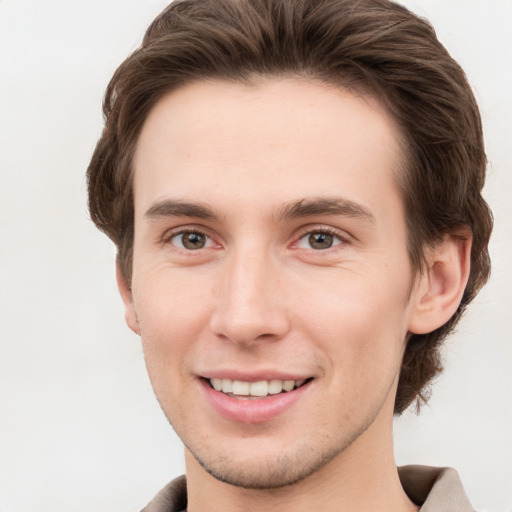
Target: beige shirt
<point x="435" y="489"/>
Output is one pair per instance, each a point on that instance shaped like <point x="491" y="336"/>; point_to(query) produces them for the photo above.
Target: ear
<point x="126" y="294"/>
<point x="441" y="286"/>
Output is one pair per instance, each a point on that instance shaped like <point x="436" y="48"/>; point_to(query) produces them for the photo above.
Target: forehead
<point x="277" y="137"/>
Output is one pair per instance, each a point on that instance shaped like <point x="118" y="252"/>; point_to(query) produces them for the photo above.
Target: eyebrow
<point x="324" y="206"/>
<point x="292" y="210"/>
<point x="173" y="208"/>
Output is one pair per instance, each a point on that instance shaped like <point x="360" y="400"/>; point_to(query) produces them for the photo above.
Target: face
<point x="271" y="284"/>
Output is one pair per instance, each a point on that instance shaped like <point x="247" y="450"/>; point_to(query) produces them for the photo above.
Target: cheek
<point x="359" y="321"/>
<point x="172" y="311"/>
<point x="171" y="316"/>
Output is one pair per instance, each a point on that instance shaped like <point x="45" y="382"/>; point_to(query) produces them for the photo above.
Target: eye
<point x="191" y="240"/>
<point x="318" y="240"/>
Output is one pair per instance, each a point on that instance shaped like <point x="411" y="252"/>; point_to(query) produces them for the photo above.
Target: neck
<point x="363" y="477"/>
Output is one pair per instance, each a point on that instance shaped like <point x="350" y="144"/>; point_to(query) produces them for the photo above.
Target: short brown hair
<point x="372" y="46"/>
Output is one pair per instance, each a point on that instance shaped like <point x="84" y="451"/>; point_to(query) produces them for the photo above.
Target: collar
<point x="435" y="489"/>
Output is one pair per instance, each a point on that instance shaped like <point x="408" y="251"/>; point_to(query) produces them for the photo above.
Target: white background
<point x="80" y="428"/>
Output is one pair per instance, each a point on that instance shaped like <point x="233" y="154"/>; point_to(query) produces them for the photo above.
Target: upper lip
<point x="253" y="376"/>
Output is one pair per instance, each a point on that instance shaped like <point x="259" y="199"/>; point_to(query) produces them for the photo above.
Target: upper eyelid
<point x="319" y="228"/>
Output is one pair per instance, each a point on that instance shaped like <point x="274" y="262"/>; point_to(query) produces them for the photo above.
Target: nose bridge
<point x="248" y="306"/>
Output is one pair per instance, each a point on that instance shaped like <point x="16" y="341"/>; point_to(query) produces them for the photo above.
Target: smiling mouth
<point x="259" y="389"/>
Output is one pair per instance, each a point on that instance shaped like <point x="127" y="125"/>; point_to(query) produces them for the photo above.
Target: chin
<point x="268" y="471"/>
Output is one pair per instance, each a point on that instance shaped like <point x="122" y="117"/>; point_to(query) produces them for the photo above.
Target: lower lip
<point x="252" y="410"/>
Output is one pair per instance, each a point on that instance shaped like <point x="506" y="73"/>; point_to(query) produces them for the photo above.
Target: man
<point x="294" y="189"/>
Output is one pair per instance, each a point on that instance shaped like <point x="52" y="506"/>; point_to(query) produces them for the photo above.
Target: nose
<point x="250" y="302"/>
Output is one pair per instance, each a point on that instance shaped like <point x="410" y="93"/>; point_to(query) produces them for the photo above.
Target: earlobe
<point x="126" y="295"/>
<point x="441" y="286"/>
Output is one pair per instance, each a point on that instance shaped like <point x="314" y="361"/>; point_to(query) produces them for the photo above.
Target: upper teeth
<point x="260" y="388"/>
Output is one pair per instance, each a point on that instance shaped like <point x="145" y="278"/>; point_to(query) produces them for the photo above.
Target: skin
<point x="256" y="294"/>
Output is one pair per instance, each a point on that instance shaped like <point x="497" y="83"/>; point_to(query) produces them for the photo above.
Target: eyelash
<point x="326" y="230"/>
<point x="309" y="230"/>
<point x="169" y="235"/>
